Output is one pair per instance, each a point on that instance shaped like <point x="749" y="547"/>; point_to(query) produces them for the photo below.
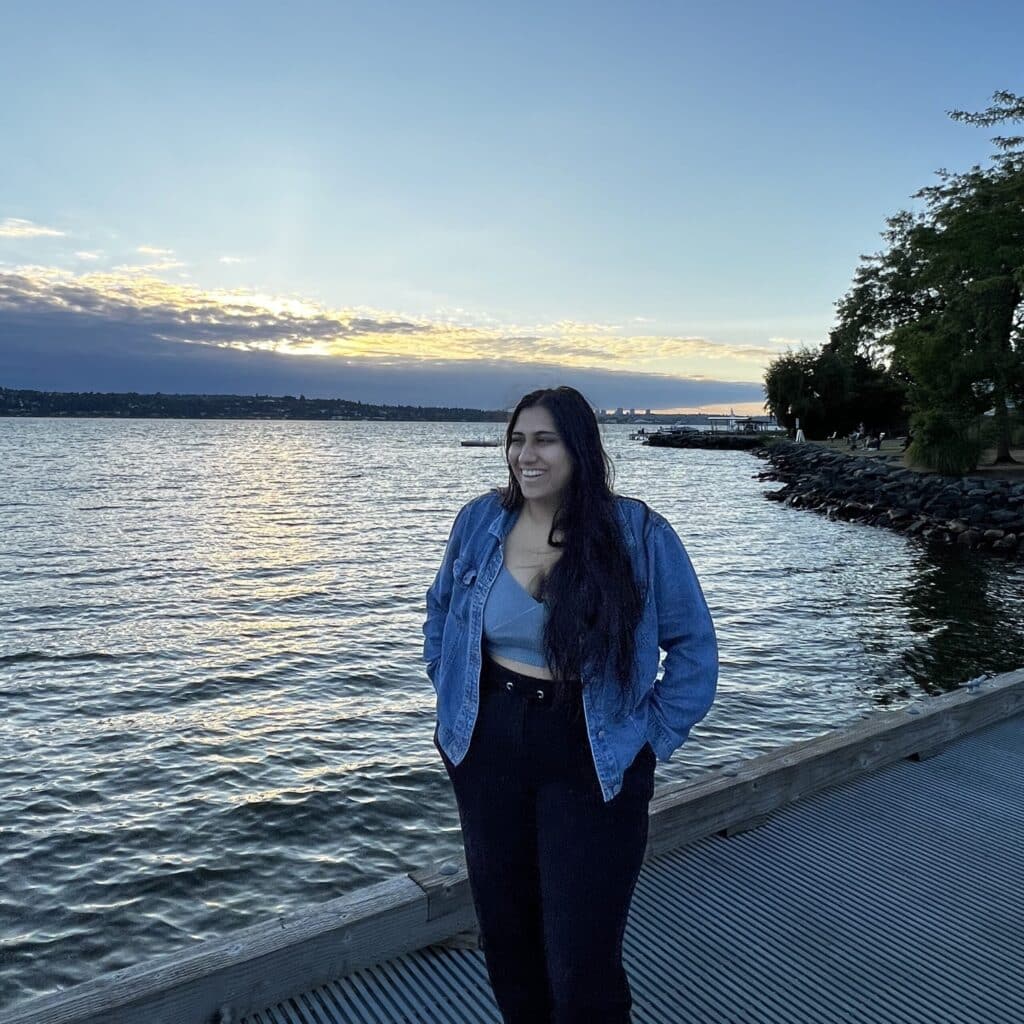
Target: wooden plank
<point x="273" y="960"/>
<point x="462" y="940"/>
<point x="446" y="888"/>
<point x="257" y="966"/>
<point x="746" y="825"/>
<point x="725" y="799"/>
<point x="930" y="752"/>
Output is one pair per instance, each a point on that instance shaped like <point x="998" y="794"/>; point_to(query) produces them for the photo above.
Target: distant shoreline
<point x="24" y="404"/>
<point x="131" y="405"/>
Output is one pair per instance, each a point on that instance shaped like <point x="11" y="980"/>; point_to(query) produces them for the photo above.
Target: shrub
<point x="943" y="441"/>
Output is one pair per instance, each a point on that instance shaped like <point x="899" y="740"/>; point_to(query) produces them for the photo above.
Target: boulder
<point x="852" y="510"/>
<point x="975" y="512"/>
<point x="1004" y="515"/>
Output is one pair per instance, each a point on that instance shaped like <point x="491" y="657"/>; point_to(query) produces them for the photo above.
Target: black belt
<point x="496" y="677"/>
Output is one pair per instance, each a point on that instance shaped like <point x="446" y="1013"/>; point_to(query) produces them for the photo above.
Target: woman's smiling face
<point x="538" y="457"/>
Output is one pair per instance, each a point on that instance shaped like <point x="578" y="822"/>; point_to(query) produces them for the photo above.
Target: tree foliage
<point x="1006" y="108"/>
<point x="833" y="389"/>
<point x="942" y="302"/>
<point x="836" y="388"/>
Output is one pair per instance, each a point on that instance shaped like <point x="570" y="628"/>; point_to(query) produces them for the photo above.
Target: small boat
<point x="480" y="442"/>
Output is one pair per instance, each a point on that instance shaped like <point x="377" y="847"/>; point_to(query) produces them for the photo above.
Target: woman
<point x="543" y="631"/>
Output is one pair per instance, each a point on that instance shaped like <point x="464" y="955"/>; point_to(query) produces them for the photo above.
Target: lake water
<point x="213" y="705"/>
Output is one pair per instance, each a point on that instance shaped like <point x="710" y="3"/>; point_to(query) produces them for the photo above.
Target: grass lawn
<point x="891" y="452"/>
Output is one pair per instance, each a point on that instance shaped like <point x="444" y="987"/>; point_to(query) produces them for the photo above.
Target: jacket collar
<point x="502" y="523"/>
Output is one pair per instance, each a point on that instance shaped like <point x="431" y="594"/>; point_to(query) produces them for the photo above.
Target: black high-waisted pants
<point x="552" y="867"/>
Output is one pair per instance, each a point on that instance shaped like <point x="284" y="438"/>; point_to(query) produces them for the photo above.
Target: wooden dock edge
<point x="731" y="800"/>
<point x="225" y="979"/>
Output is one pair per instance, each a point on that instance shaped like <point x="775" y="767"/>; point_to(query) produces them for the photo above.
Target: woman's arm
<point x="438" y="598"/>
<point x="686" y="633"/>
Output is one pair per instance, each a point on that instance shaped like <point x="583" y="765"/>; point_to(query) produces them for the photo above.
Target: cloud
<point x="234" y="259"/>
<point x="150" y="250"/>
<point x="184" y="313"/>
<point x="83" y="255"/>
<point x="129" y="328"/>
<point x="14" y="227"/>
<point x="148" y="268"/>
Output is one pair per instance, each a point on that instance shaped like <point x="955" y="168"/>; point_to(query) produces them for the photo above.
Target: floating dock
<point x="871" y="876"/>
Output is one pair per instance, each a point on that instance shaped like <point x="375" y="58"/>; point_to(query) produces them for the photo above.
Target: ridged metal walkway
<point x="894" y="899"/>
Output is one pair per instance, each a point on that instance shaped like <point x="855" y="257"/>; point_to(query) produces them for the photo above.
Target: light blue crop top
<point x="514" y="622"/>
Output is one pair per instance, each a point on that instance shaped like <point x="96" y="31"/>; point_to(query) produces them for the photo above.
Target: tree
<point x="789" y="390"/>
<point x="1006" y="107"/>
<point x="834" y="388"/>
<point x="870" y="392"/>
<point x="943" y="301"/>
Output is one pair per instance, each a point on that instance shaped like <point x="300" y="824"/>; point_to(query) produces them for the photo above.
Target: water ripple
<point x="214" y="703"/>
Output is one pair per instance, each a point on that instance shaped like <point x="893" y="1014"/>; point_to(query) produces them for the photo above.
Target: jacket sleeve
<point x="438" y="598"/>
<point x="683" y="695"/>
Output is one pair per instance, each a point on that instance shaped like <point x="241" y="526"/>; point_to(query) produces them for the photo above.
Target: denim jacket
<point x="675" y="618"/>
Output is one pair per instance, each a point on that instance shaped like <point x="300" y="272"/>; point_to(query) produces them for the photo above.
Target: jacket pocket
<point x="638" y="717"/>
<point x="464" y="574"/>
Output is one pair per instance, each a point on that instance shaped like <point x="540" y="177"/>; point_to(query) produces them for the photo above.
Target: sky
<point x="453" y="203"/>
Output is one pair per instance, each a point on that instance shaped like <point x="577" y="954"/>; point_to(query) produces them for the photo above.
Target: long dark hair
<point x="592" y="596"/>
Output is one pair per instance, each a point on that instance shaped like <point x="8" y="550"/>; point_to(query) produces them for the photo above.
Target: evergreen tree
<point x="943" y="301"/>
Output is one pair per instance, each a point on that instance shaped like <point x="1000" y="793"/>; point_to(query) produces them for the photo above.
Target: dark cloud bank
<point x="51" y="349"/>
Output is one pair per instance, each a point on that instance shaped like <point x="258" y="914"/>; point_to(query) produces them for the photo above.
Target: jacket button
<point x="508" y="685"/>
<point x="600" y="734"/>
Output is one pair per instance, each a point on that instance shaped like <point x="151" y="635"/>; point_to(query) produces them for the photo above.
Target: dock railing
<point x="225" y="979"/>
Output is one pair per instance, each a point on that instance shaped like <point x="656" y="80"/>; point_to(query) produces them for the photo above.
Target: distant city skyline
<point x="452" y="203"/>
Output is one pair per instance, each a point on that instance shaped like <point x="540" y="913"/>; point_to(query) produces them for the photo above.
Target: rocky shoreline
<point x="976" y="513"/>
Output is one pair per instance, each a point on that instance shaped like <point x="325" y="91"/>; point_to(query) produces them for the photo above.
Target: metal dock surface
<point x="895" y="898"/>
